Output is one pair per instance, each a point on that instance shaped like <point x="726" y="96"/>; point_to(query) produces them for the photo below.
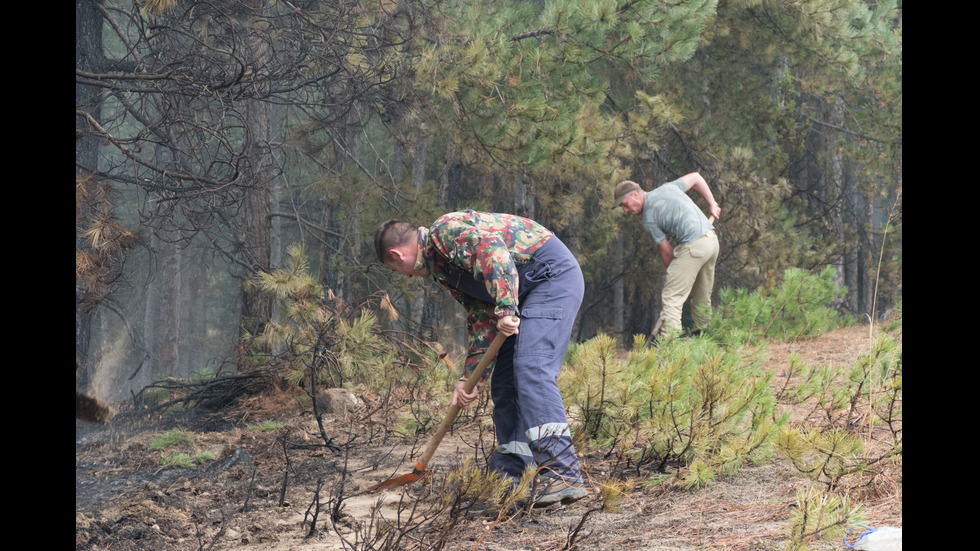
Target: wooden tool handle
<point x="474" y="377"/>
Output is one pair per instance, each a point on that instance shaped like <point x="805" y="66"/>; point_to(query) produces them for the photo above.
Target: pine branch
<point x="543" y="31"/>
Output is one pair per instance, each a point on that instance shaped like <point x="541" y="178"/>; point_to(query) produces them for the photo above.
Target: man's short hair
<point x="391" y="234"/>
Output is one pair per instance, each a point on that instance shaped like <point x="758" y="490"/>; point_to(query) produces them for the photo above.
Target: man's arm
<point x="666" y="252"/>
<point x="695" y="181"/>
<point x="485" y="253"/>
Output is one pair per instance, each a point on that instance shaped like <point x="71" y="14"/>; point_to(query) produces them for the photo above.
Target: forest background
<point x="213" y="136"/>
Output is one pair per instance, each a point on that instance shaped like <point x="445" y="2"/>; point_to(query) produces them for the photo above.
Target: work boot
<point x="548" y="491"/>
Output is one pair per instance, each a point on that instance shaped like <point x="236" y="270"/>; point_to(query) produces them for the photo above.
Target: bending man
<point x="498" y="266"/>
<point x="670" y="215"/>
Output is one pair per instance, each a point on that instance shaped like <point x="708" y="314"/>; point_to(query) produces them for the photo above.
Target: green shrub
<point x="175" y="438"/>
<point x="689" y="404"/>
<point x="343" y="346"/>
<point x="801" y="306"/>
<point x="203" y="375"/>
<point x="823" y="454"/>
<point x="820" y="516"/>
<point x="180" y="459"/>
<point x="852" y="400"/>
<point x="154" y="395"/>
<point x="171" y="439"/>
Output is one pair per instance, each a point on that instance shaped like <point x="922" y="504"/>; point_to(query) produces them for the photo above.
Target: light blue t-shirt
<point x="668" y="213"/>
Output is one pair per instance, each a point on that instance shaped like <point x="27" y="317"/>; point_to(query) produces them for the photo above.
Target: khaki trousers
<point x="691" y="273"/>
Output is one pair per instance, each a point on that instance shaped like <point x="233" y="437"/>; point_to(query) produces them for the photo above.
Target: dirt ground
<point x="124" y="500"/>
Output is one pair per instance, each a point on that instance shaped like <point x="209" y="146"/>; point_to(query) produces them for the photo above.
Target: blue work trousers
<point x="529" y="415"/>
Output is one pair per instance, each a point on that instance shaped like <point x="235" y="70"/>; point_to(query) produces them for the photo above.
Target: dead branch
<point x="211" y="394"/>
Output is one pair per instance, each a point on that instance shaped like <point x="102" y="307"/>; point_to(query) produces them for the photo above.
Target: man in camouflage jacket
<point x="499" y="266"/>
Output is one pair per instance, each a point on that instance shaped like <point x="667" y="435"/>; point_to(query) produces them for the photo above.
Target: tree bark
<point x="168" y="330"/>
<point x="835" y="192"/>
<point x="88" y="57"/>
<point x="418" y="161"/>
<point x="619" y="304"/>
<point x="256" y="306"/>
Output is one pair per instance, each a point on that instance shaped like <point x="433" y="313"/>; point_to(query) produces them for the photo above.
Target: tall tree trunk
<point x="168" y="328"/>
<point x="193" y="312"/>
<point x="151" y="315"/>
<point x="417" y="306"/>
<point x="168" y="251"/>
<point x="397" y="168"/>
<point x="523" y="198"/>
<point x="449" y="178"/>
<point x="277" y="182"/>
<point x="418" y="161"/>
<point x="325" y="274"/>
<point x="834" y="189"/>
<point x="88" y="57"/>
<point x="618" y="290"/>
<point x="355" y="131"/>
<point x="256" y="306"/>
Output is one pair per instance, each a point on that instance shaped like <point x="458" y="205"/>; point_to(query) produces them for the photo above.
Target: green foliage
<point x="157" y="394"/>
<point x="172" y="438"/>
<point x="823" y="454"/>
<point x="309" y="326"/>
<point x="203" y="375"/>
<point x="363" y="356"/>
<point x="781" y="103"/>
<point x="527" y="88"/>
<point x="611" y="494"/>
<point x="820" y="516"/>
<point x="318" y="335"/>
<point x="180" y="459"/>
<point x="689" y="403"/>
<point x="565" y="96"/>
<point x="883" y="369"/>
<point x="176" y="438"/>
<point x="875" y="379"/>
<point x="869" y="391"/>
<point x="798" y="307"/>
<point x="819" y="384"/>
<point x="857" y="401"/>
<point x="468" y="485"/>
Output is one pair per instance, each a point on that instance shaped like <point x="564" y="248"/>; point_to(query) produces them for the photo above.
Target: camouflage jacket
<point x="489" y="247"/>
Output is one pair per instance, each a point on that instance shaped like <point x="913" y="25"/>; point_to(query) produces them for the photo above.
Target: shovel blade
<point x="396" y="482"/>
<point x="400" y="480"/>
